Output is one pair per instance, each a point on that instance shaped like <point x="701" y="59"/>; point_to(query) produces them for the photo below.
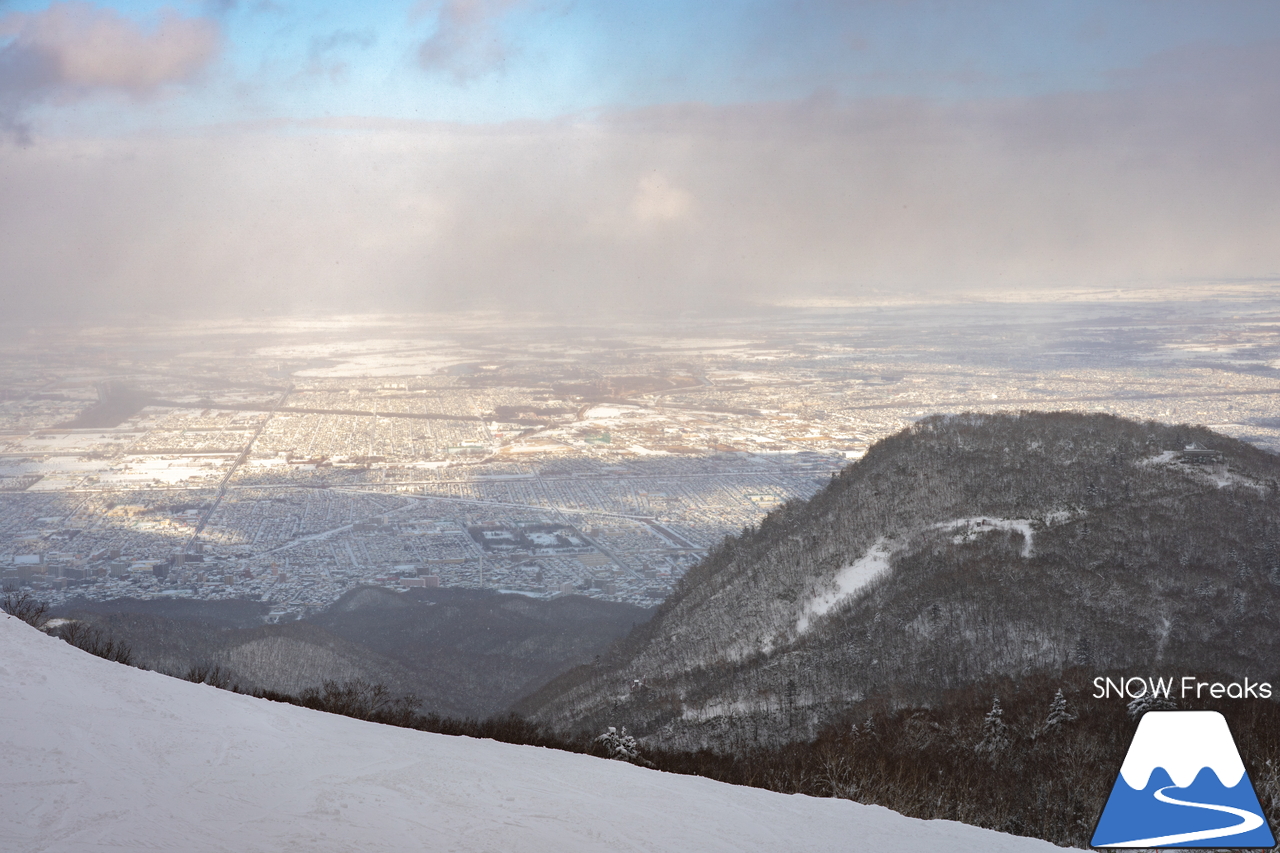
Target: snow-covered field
<point x="96" y="756"/>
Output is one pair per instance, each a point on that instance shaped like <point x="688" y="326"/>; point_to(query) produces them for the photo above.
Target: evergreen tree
<point x="1237" y="605"/>
<point x="1083" y="652"/>
<point x="1059" y="713"/>
<point x="995" y="731"/>
<point x="1149" y="702"/>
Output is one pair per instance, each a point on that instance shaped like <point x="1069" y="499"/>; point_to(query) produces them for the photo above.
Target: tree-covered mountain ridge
<point x="462" y="653"/>
<point x="962" y="547"/>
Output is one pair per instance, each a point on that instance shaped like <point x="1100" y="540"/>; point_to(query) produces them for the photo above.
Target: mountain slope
<point x="962" y="547"/>
<point x="463" y="652"/>
<point x="99" y="756"/>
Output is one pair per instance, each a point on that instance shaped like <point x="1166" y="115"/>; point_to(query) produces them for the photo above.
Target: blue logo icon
<point x="1183" y="784"/>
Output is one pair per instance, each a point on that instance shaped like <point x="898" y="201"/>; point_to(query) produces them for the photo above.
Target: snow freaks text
<point x="1186" y="687"/>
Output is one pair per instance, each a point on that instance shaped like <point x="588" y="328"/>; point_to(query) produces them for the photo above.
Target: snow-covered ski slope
<point x="96" y="756"/>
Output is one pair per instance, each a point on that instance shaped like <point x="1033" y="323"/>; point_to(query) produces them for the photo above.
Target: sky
<point x="247" y="157"/>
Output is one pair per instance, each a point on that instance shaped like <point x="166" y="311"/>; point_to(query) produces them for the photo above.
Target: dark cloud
<point x="73" y="50"/>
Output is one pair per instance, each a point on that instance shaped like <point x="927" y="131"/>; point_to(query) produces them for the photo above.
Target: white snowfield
<point x="96" y="756"/>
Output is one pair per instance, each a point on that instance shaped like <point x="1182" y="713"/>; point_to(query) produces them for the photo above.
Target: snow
<point x="96" y="756"/>
<point x="382" y="365"/>
<point x="646" y="451"/>
<point x="712" y="710"/>
<point x="1219" y="475"/>
<point x="847" y="582"/>
<point x="986" y="524"/>
<point x="606" y="412"/>
<point x="65" y="472"/>
<point x="378" y="358"/>
<point x="1222" y="478"/>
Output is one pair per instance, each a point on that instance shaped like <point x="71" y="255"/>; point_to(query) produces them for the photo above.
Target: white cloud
<point x="74" y="49"/>
<point x="658" y="200"/>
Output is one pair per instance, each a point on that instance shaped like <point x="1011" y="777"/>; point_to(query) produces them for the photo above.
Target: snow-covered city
<point x="289" y="465"/>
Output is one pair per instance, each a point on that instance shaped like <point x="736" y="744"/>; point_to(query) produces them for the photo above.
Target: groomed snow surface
<point x="96" y="756"/>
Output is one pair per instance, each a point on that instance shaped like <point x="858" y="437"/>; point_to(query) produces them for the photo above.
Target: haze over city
<point x="597" y="158"/>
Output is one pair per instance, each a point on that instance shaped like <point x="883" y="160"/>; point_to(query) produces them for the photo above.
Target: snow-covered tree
<point x="867" y="732"/>
<point x="995" y="731"/>
<point x="1149" y="702"/>
<point x="621" y="746"/>
<point x="1059" y="713"/>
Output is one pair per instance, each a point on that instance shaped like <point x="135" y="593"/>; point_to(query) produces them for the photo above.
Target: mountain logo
<point x="1183" y="784"/>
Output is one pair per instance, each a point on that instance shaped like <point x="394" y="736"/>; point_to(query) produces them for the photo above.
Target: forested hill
<point x="464" y="653"/>
<point x="962" y="547"/>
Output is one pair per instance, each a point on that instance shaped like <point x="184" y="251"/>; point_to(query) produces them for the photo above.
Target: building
<point x="1197" y="452"/>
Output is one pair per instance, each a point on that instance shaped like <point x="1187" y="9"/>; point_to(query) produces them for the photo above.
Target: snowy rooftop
<point x="97" y="756"/>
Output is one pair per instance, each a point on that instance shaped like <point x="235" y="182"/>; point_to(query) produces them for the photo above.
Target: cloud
<point x="658" y="200"/>
<point x="467" y="42"/>
<point x="73" y="50"/>
<point x="1171" y="179"/>
<point x="321" y="59"/>
<point x="220" y="7"/>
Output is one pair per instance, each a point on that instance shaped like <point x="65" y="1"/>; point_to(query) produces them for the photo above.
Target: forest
<point x="1101" y="546"/>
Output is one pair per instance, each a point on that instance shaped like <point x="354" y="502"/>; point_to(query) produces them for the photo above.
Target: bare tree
<point x="26" y="607"/>
<point x="95" y="641"/>
<point x="211" y="674"/>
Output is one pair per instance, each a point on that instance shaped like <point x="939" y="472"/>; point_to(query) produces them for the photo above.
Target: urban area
<point x="289" y="461"/>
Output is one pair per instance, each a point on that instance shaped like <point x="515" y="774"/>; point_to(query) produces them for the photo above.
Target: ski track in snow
<point x="97" y="756"/>
<point x="848" y="581"/>
<point x="871" y="565"/>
